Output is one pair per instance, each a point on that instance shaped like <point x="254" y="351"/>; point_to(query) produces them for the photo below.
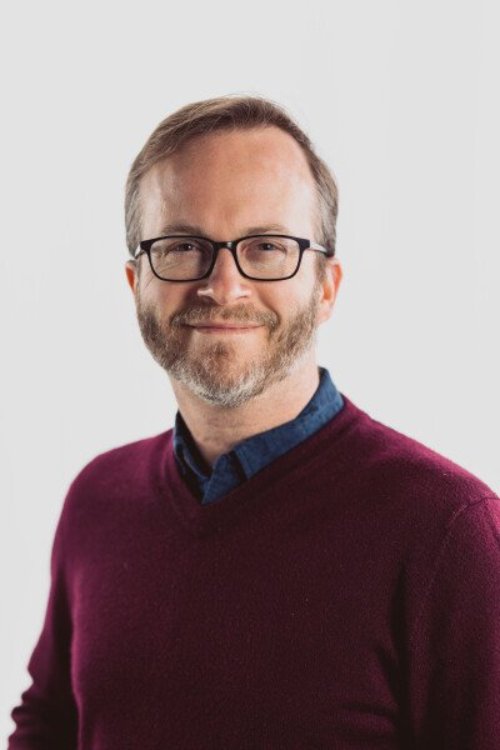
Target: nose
<point x="225" y="284"/>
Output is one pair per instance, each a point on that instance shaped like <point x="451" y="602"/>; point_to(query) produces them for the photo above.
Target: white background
<point x="400" y="98"/>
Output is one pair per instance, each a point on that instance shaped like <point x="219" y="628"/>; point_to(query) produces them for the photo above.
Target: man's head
<point x="208" y="171"/>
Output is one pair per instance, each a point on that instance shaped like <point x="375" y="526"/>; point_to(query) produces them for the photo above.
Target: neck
<point x="216" y="430"/>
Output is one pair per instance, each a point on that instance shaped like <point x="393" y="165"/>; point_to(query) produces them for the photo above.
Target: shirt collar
<point x="272" y="443"/>
<point x="256" y="451"/>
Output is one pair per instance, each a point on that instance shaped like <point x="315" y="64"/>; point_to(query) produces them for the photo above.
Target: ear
<point x="330" y="284"/>
<point x="132" y="275"/>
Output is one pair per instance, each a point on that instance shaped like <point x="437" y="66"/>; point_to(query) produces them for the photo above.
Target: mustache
<point x="199" y="314"/>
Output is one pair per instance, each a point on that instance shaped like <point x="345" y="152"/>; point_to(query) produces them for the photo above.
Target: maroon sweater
<point x="346" y="596"/>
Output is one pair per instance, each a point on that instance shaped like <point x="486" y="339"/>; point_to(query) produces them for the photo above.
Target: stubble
<point x="216" y="371"/>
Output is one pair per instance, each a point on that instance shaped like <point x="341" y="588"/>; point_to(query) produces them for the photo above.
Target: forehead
<point x="229" y="173"/>
<point x="268" y="148"/>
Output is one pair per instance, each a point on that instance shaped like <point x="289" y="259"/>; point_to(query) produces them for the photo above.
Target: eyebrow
<point x="193" y="229"/>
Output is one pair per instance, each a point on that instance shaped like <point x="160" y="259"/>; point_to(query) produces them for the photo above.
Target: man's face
<point x="227" y="338"/>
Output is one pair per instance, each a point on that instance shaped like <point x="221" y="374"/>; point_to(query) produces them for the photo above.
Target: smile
<point x="224" y="329"/>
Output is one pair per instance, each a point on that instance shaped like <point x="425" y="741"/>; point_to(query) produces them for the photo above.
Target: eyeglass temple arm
<point x="321" y="249"/>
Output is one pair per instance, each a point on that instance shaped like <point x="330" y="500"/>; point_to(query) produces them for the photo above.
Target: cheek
<point x="160" y="294"/>
<point x="289" y="295"/>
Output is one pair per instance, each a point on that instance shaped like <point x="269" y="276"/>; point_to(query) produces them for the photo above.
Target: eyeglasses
<point x="261" y="257"/>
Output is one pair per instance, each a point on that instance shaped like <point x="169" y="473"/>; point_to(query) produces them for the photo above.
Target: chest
<point x="252" y="634"/>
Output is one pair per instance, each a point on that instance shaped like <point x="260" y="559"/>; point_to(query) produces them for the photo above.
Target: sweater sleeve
<point x="46" y="717"/>
<point x="454" y="670"/>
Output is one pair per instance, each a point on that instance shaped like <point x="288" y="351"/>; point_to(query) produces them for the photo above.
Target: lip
<point x="224" y="328"/>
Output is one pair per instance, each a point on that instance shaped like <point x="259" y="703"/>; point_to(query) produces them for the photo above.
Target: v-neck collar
<point x="259" y="492"/>
<point x="255" y="452"/>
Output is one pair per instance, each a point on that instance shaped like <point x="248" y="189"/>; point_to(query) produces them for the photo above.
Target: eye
<point x="183" y="247"/>
<point x="268" y="246"/>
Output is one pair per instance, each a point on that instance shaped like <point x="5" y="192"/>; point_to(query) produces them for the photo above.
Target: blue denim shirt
<point x="251" y="455"/>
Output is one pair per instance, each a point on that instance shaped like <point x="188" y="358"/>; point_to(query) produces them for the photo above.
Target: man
<point x="280" y="570"/>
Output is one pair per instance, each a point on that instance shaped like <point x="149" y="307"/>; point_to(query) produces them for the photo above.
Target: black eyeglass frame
<point x="144" y="247"/>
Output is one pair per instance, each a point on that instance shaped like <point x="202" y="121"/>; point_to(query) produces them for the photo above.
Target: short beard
<point x="213" y="375"/>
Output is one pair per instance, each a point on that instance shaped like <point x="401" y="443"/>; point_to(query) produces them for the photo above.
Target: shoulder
<point x="441" y="521"/>
<point x="129" y="470"/>
<point x="395" y="463"/>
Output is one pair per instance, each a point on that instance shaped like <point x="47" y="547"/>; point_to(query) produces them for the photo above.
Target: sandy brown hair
<point x="225" y="113"/>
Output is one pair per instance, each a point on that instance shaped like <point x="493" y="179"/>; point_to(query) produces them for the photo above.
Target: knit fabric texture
<point x="347" y="596"/>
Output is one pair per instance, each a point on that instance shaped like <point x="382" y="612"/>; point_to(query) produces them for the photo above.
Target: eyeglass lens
<point x="262" y="257"/>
